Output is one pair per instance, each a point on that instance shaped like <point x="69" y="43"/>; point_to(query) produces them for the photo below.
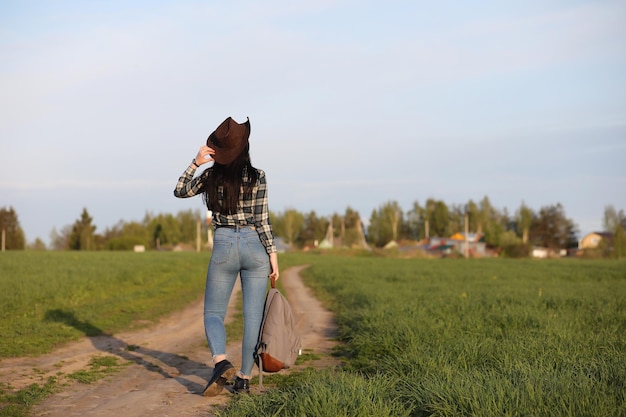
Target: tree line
<point x="510" y="234"/>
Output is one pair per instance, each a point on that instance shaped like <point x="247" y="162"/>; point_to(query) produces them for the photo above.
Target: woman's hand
<point x="205" y="154"/>
<point x="274" y="265"/>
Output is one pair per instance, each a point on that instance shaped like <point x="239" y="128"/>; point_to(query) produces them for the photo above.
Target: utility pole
<point x="466" y="234"/>
<point x="198" y="237"/>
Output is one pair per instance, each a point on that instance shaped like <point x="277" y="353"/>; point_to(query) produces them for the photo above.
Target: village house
<point x="592" y="240"/>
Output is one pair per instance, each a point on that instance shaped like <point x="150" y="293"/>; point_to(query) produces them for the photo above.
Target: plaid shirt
<point x="252" y="209"/>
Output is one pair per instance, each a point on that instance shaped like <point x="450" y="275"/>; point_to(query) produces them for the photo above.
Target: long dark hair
<point x="224" y="183"/>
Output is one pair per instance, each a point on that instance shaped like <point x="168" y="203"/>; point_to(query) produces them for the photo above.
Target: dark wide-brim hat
<point x="229" y="140"/>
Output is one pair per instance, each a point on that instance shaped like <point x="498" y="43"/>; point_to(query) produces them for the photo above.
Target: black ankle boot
<point x="242" y="386"/>
<point x="223" y="372"/>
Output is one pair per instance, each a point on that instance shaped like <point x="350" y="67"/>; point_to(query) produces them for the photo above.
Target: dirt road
<point x="169" y="363"/>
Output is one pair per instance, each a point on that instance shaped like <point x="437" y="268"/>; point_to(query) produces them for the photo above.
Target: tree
<point x="428" y="212"/>
<point x="613" y="218"/>
<point x="313" y="230"/>
<point x="82" y="236"/>
<point x="615" y="223"/>
<point x="497" y="225"/>
<point x="166" y="230"/>
<point x="486" y="215"/>
<point x="125" y="236"/>
<point x="381" y="229"/>
<point x="187" y="221"/>
<point x="553" y="230"/>
<point x="415" y="221"/>
<point x="305" y="230"/>
<point x="493" y="234"/>
<point x="38" y="244"/>
<point x="384" y="223"/>
<point x="473" y="216"/>
<point x="524" y="218"/>
<point x="352" y="229"/>
<point x="13" y="234"/>
<point x="457" y="219"/>
<point x="376" y="231"/>
<point x="619" y="242"/>
<point x="292" y="223"/>
<point x="60" y="240"/>
<point x="439" y="218"/>
<point x="338" y="225"/>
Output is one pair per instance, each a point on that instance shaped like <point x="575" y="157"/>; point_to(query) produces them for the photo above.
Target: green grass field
<point x="465" y="338"/>
<point x="49" y="298"/>
<point x="419" y="337"/>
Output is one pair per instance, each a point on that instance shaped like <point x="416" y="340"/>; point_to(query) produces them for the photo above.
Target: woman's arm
<point x="262" y="214"/>
<point x="274" y="265"/>
<point x="187" y="185"/>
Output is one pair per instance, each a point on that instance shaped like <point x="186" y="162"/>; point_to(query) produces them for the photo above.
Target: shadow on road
<point x="169" y="365"/>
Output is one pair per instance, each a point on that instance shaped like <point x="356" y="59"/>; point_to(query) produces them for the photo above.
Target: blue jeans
<point x="236" y="252"/>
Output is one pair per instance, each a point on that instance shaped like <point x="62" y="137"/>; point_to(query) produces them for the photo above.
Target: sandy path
<point x="166" y="371"/>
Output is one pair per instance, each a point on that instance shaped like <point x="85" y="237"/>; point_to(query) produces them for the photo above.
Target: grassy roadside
<point x="462" y="338"/>
<point x="50" y="298"/>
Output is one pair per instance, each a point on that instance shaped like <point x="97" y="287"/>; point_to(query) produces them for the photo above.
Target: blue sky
<point x="352" y="103"/>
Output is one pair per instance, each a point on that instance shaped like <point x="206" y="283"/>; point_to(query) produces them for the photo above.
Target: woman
<point x="243" y="244"/>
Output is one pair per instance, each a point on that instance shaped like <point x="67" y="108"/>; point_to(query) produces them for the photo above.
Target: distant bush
<point x="517" y="251"/>
<point x="124" y="243"/>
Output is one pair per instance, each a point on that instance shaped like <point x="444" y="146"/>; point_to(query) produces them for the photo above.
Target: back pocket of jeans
<point x="257" y="251"/>
<point x="221" y="252"/>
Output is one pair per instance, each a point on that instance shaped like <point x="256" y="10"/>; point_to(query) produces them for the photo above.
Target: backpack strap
<point x="260" y="372"/>
<point x="259" y="347"/>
